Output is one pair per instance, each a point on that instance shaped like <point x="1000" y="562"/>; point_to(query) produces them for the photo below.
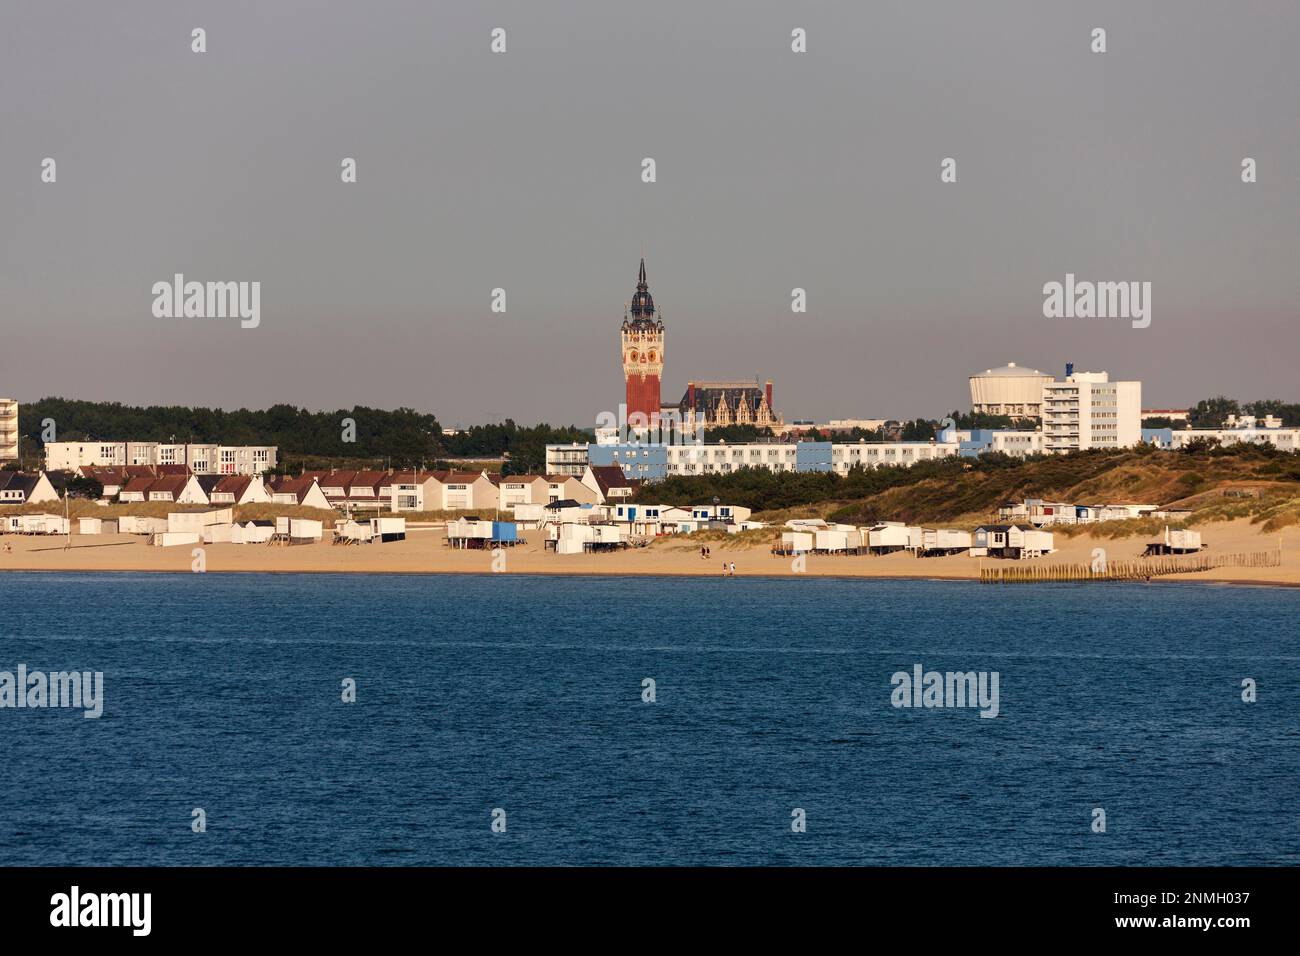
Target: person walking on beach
<point x="733" y="569"/>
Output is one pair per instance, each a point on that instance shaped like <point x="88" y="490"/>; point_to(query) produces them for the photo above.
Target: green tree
<point x="1213" y="412"/>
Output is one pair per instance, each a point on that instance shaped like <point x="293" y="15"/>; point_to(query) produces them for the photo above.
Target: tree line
<point x="403" y="437"/>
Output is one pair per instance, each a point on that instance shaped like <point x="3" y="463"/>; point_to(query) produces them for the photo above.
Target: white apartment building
<point x="566" y="459"/>
<point x="1237" y="429"/>
<point x="8" y="429"/>
<point x="1087" y="410"/>
<point x="1017" y="444"/>
<point x="875" y="454"/>
<point x="721" y="459"/>
<point x="201" y="459"/>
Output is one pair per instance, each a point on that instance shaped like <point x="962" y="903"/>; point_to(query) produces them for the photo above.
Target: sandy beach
<point x="424" y="552"/>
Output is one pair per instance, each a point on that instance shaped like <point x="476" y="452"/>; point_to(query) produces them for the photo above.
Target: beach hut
<point x="943" y="541"/>
<point x="352" y="532"/>
<point x="1010" y="541"/>
<point x="90" y="526"/>
<point x="258" y="532"/>
<point x="577" y="538"/>
<point x="305" y="530"/>
<point x="136" y="524"/>
<point x="198" y="520"/>
<point x="1176" y="542"/>
<point x="835" y="540"/>
<point x="796" y="542"/>
<point x="529" y="515"/>
<point x="570" y="538"/>
<point x="219" y="533"/>
<point x="43" y="524"/>
<point x="171" y="539"/>
<point x="890" y="536"/>
<point x="388" y="529"/>
<point x="470" y="532"/>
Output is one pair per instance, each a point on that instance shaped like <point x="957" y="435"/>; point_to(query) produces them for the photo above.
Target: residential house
<point x="17" y="488"/>
<point x="467" y="491"/>
<point x="412" y="491"/>
<point x="302" y="491"/>
<point x="609" y="483"/>
<point x="237" y="490"/>
<point x="369" y="490"/>
<point x="177" y="489"/>
<point x="333" y="484"/>
<point x="566" y="487"/>
<point x="522" y="490"/>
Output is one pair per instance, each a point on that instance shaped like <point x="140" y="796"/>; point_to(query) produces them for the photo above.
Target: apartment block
<point x="201" y="459"/>
<point x="8" y="429"/>
<point x="1087" y="410"/>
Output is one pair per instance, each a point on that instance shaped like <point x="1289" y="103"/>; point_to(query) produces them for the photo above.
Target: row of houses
<point x="374" y="490"/>
<point x="1042" y="513"/>
<point x="339" y="490"/>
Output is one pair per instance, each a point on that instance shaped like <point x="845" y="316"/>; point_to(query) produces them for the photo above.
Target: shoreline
<point x="423" y="552"/>
<point x="587" y="573"/>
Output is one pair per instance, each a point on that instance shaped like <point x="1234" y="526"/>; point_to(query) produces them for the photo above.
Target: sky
<point x="522" y="170"/>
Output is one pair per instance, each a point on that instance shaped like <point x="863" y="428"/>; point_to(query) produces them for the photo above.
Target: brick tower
<point x="643" y="355"/>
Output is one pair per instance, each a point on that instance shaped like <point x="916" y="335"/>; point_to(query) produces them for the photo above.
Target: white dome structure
<point x="1010" y="390"/>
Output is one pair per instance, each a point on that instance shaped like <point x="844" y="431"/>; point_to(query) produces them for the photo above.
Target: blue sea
<point x="525" y="694"/>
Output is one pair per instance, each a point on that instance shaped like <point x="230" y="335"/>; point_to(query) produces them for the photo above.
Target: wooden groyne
<point x="1139" y="570"/>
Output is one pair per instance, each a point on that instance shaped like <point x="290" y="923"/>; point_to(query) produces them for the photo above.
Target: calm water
<point x="524" y="693"/>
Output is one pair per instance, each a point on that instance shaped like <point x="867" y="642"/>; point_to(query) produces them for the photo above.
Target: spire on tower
<point x="643" y="303"/>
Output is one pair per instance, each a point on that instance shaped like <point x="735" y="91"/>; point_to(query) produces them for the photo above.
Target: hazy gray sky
<point x="522" y="170"/>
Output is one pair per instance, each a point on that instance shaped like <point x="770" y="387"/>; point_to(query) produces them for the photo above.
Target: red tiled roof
<point x="366" y="479"/>
<point x="610" y="476"/>
<point x="104" y="474"/>
<point x="173" y="483"/>
<point x="332" y="479"/>
<point x="298" y="487"/>
<point x="234" y="485"/>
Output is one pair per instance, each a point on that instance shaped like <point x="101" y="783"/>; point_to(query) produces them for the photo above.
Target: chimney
<point x="769" y="396"/>
<point x="690" y="395"/>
